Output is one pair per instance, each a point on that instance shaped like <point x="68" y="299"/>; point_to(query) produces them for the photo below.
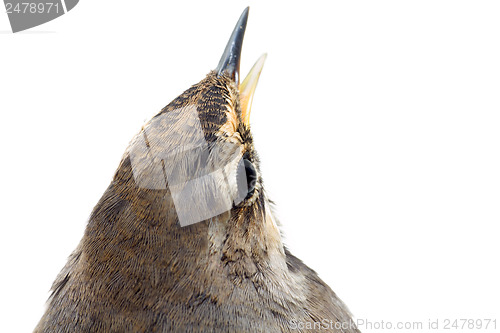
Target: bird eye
<point x="251" y="174"/>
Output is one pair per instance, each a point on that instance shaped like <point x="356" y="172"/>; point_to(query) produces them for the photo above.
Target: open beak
<point x="230" y="64"/>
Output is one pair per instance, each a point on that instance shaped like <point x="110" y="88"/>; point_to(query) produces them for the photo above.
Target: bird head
<point x="192" y="173"/>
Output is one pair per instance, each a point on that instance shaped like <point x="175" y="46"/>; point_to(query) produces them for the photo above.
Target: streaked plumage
<point x="138" y="270"/>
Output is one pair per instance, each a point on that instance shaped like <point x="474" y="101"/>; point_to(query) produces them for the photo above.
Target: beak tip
<point x="230" y="60"/>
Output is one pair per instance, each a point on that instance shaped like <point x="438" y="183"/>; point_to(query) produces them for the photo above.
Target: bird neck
<point x="135" y="232"/>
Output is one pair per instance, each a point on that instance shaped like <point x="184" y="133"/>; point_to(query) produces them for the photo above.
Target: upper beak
<point x="230" y="64"/>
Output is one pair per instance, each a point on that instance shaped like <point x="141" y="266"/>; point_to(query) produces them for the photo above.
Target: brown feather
<point x="137" y="270"/>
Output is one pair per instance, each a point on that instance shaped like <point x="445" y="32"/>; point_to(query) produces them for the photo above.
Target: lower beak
<point x="247" y="89"/>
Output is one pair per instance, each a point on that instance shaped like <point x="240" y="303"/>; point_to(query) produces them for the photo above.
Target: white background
<point x="377" y="123"/>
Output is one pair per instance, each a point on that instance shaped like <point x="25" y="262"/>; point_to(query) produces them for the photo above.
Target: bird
<point x="185" y="238"/>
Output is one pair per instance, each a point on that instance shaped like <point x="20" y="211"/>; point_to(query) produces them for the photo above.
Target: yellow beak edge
<point x="247" y="88"/>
